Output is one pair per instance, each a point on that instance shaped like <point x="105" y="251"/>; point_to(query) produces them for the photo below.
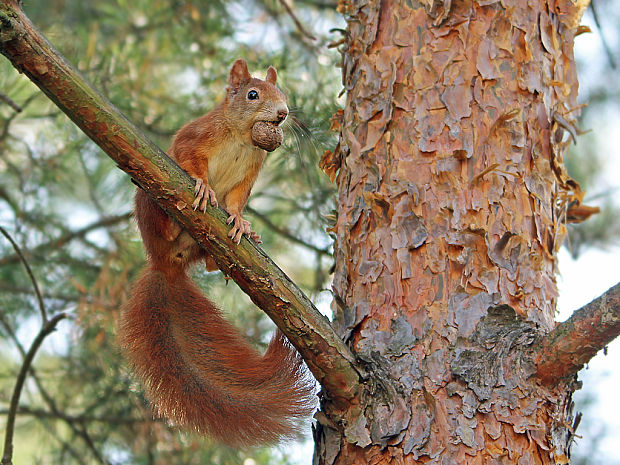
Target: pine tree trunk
<point x="452" y="203"/>
<point x="451" y="207"/>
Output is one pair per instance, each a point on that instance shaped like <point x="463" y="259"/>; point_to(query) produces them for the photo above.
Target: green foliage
<point x="163" y="63"/>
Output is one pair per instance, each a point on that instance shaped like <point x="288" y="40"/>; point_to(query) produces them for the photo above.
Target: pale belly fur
<point x="228" y="170"/>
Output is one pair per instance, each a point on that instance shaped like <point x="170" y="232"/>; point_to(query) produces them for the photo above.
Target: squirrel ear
<point x="239" y="75"/>
<point x="272" y="75"/>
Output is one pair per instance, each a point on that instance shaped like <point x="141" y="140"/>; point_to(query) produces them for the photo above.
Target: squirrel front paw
<point x="204" y="194"/>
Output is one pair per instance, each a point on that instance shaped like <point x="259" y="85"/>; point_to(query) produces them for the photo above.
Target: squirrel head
<point x="249" y="100"/>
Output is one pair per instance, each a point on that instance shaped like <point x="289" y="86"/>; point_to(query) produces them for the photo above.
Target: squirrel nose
<point x="282" y="114"/>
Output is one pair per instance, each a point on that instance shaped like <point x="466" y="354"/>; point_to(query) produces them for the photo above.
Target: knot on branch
<point x="388" y="413"/>
<point x="497" y="353"/>
<point x="381" y="415"/>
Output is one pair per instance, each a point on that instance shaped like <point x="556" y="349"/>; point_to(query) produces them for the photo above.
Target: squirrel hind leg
<point x="185" y="250"/>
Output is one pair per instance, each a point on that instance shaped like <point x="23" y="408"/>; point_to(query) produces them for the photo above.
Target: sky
<point x="580" y="282"/>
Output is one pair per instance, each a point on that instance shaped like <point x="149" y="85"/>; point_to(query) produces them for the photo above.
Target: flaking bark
<point x="452" y="199"/>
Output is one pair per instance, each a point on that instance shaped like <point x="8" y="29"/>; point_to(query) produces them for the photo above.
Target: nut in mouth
<point x="267" y="135"/>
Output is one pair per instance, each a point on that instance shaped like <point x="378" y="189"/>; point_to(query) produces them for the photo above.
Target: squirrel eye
<point x="252" y="95"/>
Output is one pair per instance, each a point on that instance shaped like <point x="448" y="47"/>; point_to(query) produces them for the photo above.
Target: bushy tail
<point x="201" y="373"/>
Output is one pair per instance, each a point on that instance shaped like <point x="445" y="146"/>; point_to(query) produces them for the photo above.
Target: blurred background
<point x="163" y="63"/>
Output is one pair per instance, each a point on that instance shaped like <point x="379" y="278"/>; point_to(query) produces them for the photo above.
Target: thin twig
<point x="11" y="118"/>
<point x="286" y="233"/>
<point x="47" y="328"/>
<point x="37" y="291"/>
<point x="49" y="400"/>
<point x="66" y="446"/>
<point x="69" y="236"/>
<point x="300" y="27"/>
<point x="67" y="298"/>
<point x="6" y="99"/>
<point x="113" y="420"/>
<point x="608" y="52"/>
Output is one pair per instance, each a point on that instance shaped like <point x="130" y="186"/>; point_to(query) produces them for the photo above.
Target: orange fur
<point x="196" y="367"/>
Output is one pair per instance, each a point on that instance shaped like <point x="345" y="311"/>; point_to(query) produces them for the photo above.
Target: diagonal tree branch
<point x="35" y="286"/>
<point x="329" y="359"/>
<point x="573" y="343"/>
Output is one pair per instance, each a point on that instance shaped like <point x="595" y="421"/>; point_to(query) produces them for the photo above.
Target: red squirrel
<point x="197" y="369"/>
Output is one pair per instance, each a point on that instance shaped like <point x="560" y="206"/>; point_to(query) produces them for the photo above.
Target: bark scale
<point x="452" y="197"/>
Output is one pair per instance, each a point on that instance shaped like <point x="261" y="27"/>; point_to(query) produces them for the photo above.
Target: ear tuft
<point x="239" y="75"/>
<point x="272" y="75"/>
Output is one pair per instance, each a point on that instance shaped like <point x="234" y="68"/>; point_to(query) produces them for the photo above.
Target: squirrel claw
<point x="255" y="237"/>
<point x="204" y="194"/>
<point x="240" y="227"/>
